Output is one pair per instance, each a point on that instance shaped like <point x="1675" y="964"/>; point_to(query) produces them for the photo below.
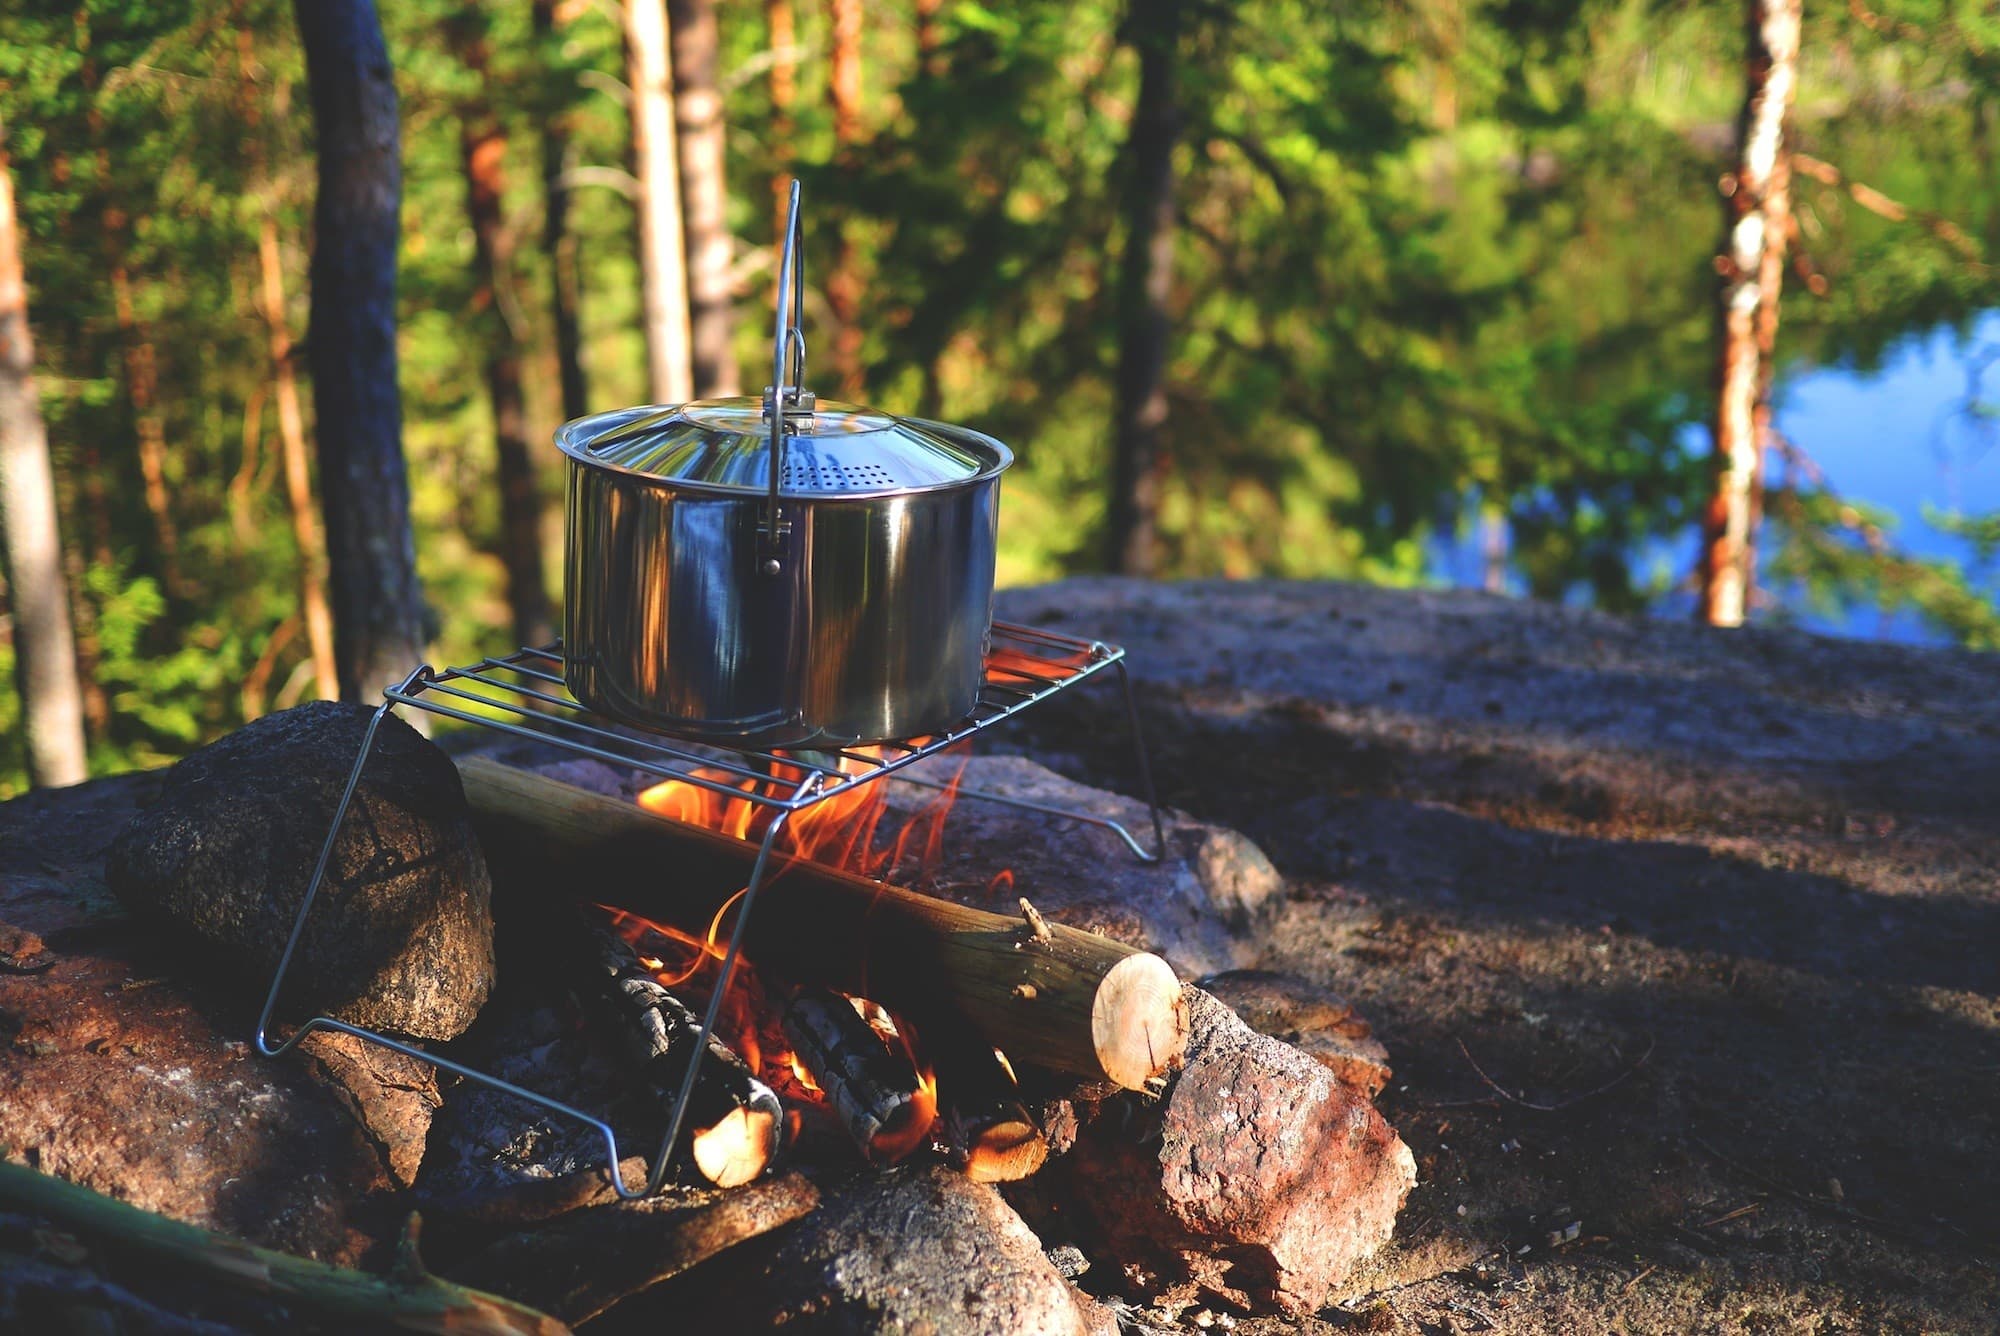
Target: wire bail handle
<point x="786" y="400"/>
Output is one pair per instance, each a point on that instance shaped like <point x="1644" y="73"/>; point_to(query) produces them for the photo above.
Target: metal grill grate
<point x="522" y="694"/>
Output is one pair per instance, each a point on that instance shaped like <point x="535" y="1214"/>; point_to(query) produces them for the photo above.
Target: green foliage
<point x="1433" y="257"/>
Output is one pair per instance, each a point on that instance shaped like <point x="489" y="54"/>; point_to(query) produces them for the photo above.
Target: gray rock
<point x="401" y="937"/>
<point x="1198" y="907"/>
<point x="910" y="1250"/>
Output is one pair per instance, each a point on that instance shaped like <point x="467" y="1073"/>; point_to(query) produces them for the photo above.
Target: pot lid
<point x="829" y="449"/>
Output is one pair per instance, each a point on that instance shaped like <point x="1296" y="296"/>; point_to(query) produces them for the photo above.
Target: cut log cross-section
<point x="1055" y="997"/>
<point x="734" y="1122"/>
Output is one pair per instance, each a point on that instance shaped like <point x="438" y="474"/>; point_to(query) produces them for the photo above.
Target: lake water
<point x="1900" y="438"/>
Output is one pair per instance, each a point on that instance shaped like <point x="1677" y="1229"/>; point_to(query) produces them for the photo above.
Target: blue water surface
<point x="1916" y="434"/>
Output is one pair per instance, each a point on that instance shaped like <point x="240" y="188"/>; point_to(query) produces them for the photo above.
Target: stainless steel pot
<point x="779" y="572"/>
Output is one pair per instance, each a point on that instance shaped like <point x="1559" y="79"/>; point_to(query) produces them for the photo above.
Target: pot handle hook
<point x="787" y="395"/>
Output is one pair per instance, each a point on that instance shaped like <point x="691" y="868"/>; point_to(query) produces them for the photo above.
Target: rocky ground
<point x="1683" y="943"/>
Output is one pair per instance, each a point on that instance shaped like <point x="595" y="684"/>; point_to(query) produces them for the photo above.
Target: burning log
<point x="884" y="1102"/>
<point x="1059" y="998"/>
<point x="988" y="1131"/>
<point x="734" y="1120"/>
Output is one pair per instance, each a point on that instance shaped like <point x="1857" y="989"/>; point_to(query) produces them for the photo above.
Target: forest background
<point x="1440" y="271"/>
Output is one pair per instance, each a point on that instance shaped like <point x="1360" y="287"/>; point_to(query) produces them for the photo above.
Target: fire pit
<point x="1064" y="999"/>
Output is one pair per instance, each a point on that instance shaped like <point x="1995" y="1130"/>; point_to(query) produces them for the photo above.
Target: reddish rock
<point x="1258" y="1177"/>
<point x="1315" y="1020"/>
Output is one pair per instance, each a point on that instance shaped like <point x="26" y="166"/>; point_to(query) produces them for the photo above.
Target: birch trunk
<point x="378" y="610"/>
<point x="704" y="198"/>
<point x="558" y="243"/>
<point x="656" y="163"/>
<point x="1757" y="212"/>
<point x="298" y="479"/>
<point x="44" y="647"/>
<point x="1145" y="282"/>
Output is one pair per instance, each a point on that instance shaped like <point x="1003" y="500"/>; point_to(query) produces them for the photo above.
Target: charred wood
<point x="1076" y="1002"/>
<point x="883" y="1100"/>
<point x="734" y="1122"/>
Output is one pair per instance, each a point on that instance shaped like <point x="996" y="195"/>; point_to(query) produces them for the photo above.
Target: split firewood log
<point x="734" y="1125"/>
<point x="988" y="1132"/>
<point x="883" y="1101"/>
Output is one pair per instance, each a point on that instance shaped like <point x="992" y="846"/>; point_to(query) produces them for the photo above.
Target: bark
<point x="264" y="1290"/>
<point x="656" y="163"/>
<point x="558" y="243"/>
<point x="704" y="198"/>
<point x="298" y="479"/>
<point x="44" y="647"/>
<point x="1757" y="213"/>
<point x="1061" y="998"/>
<point x="142" y="386"/>
<point x="929" y="59"/>
<point x="378" y="610"/>
<point x="1145" y="282"/>
<point x="483" y="151"/>
<point x="843" y="284"/>
<point x="784" y="92"/>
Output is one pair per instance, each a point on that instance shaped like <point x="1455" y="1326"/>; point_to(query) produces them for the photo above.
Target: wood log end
<point x="1006" y="1151"/>
<point x="1139" y="1021"/>
<point x="740" y="1148"/>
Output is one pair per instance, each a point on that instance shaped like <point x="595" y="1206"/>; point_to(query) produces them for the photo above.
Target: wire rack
<point x="522" y="694"/>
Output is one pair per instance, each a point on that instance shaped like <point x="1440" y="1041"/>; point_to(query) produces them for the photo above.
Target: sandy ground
<point x="1685" y="945"/>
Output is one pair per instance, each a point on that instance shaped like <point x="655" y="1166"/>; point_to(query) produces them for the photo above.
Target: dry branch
<point x="1076" y="1002"/>
<point x="289" y="1291"/>
<point x="734" y="1122"/>
<point x="1881" y="205"/>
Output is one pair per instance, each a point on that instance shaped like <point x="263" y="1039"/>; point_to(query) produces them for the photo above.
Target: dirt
<point x="1682" y="943"/>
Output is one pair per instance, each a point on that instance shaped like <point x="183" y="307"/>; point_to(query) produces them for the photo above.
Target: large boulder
<point x="401" y="937"/>
<point x="1258" y="1177"/>
<point x="911" y="1250"/>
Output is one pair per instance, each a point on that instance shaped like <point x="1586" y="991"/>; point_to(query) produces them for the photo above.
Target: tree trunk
<point x="142" y="384"/>
<point x="483" y="150"/>
<point x="298" y="480"/>
<point x="929" y="59"/>
<point x="558" y="243"/>
<point x="1757" y="212"/>
<point x="1145" y="280"/>
<point x="704" y="198"/>
<point x="843" y="284"/>
<point x="656" y="163"/>
<point x="378" y="609"/>
<point x="784" y="92"/>
<point x="44" y="648"/>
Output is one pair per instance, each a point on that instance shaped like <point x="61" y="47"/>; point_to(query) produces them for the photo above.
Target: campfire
<point x="832" y="1058"/>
